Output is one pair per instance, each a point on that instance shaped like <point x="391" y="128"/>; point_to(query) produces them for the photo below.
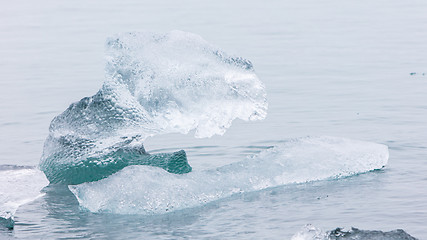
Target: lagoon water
<point x="355" y="70"/>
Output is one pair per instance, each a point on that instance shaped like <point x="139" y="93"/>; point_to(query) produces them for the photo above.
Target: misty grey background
<point x="339" y="68"/>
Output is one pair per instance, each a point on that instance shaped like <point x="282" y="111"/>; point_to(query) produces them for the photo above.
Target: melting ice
<point x="177" y="82"/>
<point x="20" y="185"/>
<point x="150" y="190"/>
<point x="154" y="84"/>
<point x="310" y="232"/>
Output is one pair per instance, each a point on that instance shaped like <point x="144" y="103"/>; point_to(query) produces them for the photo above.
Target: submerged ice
<point x="149" y="190"/>
<point x="154" y="84"/>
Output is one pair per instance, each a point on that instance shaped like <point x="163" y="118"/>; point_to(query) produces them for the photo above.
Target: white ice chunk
<point x="183" y="82"/>
<point x="19" y="186"/>
<point x="310" y="232"/>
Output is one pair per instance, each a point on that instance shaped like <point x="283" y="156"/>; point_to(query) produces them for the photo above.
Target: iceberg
<point x="20" y="185"/>
<point x="149" y="190"/>
<point x="154" y="84"/>
<point x="310" y="232"/>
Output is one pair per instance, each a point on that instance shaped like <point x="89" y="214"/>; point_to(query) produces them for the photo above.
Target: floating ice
<point x="149" y="190"/>
<point x="20" y="185"/>
<point x="310" y="232"/>
<point x="154" y="84"/>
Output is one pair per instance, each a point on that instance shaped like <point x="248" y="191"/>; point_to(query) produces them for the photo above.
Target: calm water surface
<point x="331" y="68"/>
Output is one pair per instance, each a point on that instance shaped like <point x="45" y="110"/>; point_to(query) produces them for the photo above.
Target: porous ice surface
<point x="149" y="190"/>
<point x="183" y="83"/>
<point x="310" y="232"/>
<point x="20" y="185"/>
<point x="154" y="84"/>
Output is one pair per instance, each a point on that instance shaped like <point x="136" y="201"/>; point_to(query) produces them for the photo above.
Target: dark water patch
<point x="186" y="148"/>
<point x="206" y="147"/>
<point x="10" y="123"/>
<point x="7" y="167"/>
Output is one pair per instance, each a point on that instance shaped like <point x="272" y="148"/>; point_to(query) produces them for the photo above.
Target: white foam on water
<point x="150" y="190"/>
